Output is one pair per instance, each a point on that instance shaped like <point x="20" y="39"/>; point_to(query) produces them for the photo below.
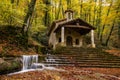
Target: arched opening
<point x="77" y="41"/>
<point x="69" y="41"/>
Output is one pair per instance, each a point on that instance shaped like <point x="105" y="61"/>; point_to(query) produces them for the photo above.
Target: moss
<point x="58" y="50"/>
<point x="9" y="66"/>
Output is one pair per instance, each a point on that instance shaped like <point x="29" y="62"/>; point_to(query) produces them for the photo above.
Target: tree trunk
<point x="99" y="18"/>
<point x="47" y="15"/>
<point x="12" y="1"/>
<point x="58" y="10"/>
<point x="55" y="10"/>
<point x="52" y="11"/>
<point x="18" y="2"/>
<point x="81" y="6"/>
<point x="89" y="13"/>
<point x="112" y="26"/>
<point x="63" y="11"/>
<point x="110" y="33"/>
<point x="94" y="17"/>
<point x="28" y="16"/>
<point x="27" y="22"/>
<point x="85" y="15"/>
<point x="118" y="27"/>
<point x="46" y="18"/>
<point x="101" y="37"/>
<point x="68" y="4"/>
<point x="119" y="34"/>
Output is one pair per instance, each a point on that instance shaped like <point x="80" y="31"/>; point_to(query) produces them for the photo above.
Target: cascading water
<point x="28" y="61"/>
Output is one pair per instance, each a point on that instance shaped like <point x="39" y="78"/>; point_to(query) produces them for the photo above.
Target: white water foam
<point x="28" y="60"/>
<point x="45" y="68"/>
<point x="30" y="63"/>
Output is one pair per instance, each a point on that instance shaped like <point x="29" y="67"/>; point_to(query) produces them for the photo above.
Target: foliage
<point x="12" y="42"/>
<point x="41" y="37"/>
<point x="99" y="13"/>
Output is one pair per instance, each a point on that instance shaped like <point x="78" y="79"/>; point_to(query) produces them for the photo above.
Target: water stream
<point x="30" y="63"/>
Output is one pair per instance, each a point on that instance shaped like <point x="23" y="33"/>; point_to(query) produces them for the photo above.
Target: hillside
<point x="11" y="42"/>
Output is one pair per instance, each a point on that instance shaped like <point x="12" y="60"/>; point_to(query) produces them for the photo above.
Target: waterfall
<point x="28" y="61"/>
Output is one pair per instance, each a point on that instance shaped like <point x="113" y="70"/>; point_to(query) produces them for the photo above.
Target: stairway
<point x="82" y="57"/>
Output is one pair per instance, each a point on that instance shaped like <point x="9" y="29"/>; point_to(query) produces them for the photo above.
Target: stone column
<point x="62" y="36"/>
<point x="54" y="40"/>
<point x="92" y="39"/>
<point x="81" y="41"/>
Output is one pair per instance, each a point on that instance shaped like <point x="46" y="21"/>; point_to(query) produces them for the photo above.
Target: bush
<point x="41" y="37"/>
<point x="44" y="50"/>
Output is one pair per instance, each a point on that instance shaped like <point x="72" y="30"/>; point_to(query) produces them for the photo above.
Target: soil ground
<point x="69" y="73"/>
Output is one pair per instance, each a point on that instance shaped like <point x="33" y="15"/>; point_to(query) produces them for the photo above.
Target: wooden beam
<point x="77" y="26"/>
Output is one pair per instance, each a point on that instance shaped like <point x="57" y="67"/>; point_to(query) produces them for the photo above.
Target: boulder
<point x="10" y="66"/>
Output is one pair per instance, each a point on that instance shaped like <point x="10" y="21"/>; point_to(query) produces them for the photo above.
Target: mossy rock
<point x="10" y="66"/>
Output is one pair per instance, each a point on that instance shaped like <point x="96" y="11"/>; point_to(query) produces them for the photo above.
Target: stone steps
<point x="82" y="57"/>
<point x="86" y="58"/>
<point x="102" y="63"/>
<point x="83" y="65"/>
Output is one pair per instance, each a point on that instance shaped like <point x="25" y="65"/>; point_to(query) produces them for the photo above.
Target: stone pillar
<point x="54" y="40"/>
<point x="81" y="42"/>
<point x="62" y="35"/>
<point x="92" y="39"/>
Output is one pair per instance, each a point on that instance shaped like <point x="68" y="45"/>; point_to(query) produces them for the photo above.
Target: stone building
<point x="69" y="32"/>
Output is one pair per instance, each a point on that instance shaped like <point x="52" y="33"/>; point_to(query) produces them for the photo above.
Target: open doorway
<point x="69" y="41"/>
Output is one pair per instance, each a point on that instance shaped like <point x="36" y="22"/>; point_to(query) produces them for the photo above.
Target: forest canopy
<point x="38" y="15"/>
